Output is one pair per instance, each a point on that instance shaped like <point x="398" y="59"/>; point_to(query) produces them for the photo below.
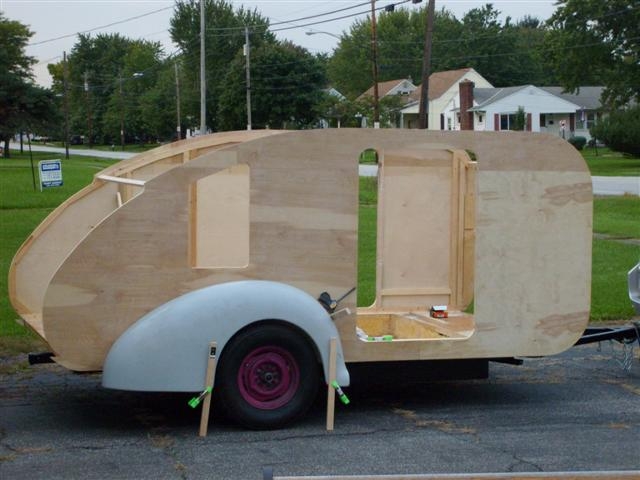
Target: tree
<point x="519" y="120"/>
<point x="158" y="103"/>
<point x="592" y="42"/>
<point x="400" y="36"/>
<point x="286" y="87"/>
<point x="22" y="104"/>
<point x="620" y="131"/>
<point x="505" y="54"/>
<point x="107" y="77"/>
<point x="225" y="37"/>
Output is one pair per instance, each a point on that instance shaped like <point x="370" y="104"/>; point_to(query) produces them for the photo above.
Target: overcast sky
<point x="52" y="19"/>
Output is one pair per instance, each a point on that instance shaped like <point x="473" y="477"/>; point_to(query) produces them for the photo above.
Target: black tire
<point x="268" y="376"/>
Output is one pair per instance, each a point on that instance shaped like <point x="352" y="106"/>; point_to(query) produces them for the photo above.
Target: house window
<point x="480" y="118"/>
<point x="543" y="120"/>
<point x="219" y="219"/>
<point x="507" y="121"/>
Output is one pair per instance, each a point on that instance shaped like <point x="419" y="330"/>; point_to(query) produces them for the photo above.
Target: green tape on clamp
<point x="195" y="401"/>
<point x="382" y="338"/>
<point x="343" y="397"/>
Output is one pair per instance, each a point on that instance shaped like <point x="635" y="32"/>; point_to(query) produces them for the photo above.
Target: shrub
<point x="620" y="131"/>
<point x="578" y="142"/>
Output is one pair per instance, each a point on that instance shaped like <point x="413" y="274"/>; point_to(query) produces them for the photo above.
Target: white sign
<point x="50" y="173"/>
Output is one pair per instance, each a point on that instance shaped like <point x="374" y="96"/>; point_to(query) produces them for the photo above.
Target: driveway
<point x="115" y="154"/>
<point x="578" y="411"/>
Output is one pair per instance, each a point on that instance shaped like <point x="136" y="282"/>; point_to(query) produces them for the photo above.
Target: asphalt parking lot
<point x="576" y="411"/>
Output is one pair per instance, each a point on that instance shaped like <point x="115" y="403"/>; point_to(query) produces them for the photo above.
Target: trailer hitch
<point x="627" y="334"/>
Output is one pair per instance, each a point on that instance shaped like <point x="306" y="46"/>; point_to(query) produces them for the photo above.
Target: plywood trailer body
<point x="231" y="237"/>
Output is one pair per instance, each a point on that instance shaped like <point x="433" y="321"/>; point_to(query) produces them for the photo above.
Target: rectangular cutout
<point x="219" y="219"/>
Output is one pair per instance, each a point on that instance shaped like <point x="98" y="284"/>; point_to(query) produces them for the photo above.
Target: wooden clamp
<point x="208" y="383"/>
<point x="331" y="393"/>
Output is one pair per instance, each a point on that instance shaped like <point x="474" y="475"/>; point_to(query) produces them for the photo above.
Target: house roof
<point x="487" y="96"/>
<point x="440" y="82"/>
<point x="587" y="97"/>
<point x="385" y="87"/>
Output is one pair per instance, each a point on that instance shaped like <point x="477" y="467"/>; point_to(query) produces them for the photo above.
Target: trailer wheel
<point x="268" y="377"/>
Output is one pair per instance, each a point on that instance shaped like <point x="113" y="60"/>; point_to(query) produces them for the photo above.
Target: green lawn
<point x="617" y="216"/>
<point x="611" y="164"/>
<point x="609" y="296"/>
<point x="22" y="208"/>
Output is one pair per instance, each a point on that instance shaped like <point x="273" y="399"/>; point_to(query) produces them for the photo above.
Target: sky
<point x="55" y="23"/>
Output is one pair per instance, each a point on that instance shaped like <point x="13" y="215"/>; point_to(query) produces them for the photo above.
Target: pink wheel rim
<point x="268" y="377"/>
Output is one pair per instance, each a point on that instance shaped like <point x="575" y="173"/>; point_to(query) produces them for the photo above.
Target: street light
<point x="314" y="32"/>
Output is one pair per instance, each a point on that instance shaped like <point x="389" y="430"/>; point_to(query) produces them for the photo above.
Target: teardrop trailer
<point x="233" y="236"/>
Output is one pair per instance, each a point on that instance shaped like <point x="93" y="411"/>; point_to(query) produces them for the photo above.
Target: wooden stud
<point x="208" y="383"/>
<point x="331" y="392"/>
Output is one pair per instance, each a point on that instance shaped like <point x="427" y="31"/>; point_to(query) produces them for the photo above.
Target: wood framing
<point x="511" y="232"/>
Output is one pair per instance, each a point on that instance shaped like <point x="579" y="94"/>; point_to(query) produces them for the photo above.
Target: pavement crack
<point x="521" y="461"/>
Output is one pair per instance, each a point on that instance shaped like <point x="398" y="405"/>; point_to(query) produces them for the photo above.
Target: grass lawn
<point x="617" y="216"/>
<point x="611" y="262"/>
<point x="22" y="208"/>
<point x="611" y="164"/>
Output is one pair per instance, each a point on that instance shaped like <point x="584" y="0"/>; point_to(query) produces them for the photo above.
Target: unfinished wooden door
<point x="425" y="229"/>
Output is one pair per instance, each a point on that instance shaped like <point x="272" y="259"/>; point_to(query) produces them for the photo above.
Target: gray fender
<point x="634" y="287"/>
<point x="167" y="349"/>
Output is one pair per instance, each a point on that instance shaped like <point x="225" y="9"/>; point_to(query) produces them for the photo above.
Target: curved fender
<point x="167" y="349"/>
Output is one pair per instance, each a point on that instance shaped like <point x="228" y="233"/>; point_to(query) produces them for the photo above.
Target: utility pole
<point x="247" y="53"/>
<point x="423" y="112"/>
<point x="374" y="56"/>
<point x="121" y="113"/>
<point x="178" y="130"/>
<point x="88" y="107"/>
<point x="66" y="105"/>
<point x="203" y="81"/>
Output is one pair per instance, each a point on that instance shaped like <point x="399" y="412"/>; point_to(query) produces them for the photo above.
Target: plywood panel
<point x="219" y="216"/>
<point x="49" y="244"/>
<point x="532" y="250"/>
<point x="424" y="204"/>
<point x="55" y="238"/>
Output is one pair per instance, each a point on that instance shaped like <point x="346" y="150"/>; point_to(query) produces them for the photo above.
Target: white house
<point x="403" y="87"/>
<point x="546" y="109"/>
<point x="444" y="99"/>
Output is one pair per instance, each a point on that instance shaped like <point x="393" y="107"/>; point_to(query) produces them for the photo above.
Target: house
<point x="444" y="99"/>
<point x="325" y="122"/>
<point x="547" y="109"/>
<point x="589" y="113"/>
<point x="403" y="87"/>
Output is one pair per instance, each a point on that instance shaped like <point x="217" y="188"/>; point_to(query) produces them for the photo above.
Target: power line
<point x="99" y="28"/>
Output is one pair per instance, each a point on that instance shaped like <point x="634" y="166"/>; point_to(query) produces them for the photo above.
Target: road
<point x="601" y="185"/>
<point x="576" y="411"/>
<point x="114" y="154"/>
